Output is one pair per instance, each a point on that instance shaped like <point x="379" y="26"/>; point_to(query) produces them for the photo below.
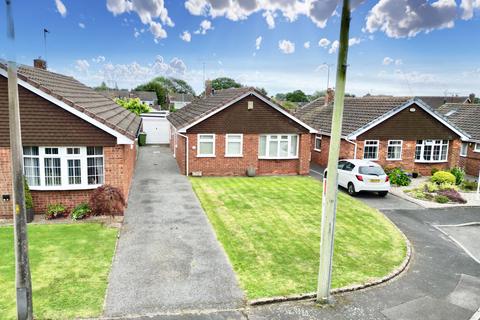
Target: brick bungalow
<point x="466" y="117"/>
<point x="392" y="131"/>
<point x="232" y="130"/>
<point x="74" y="139"/>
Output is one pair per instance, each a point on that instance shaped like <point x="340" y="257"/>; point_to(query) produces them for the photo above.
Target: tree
<point x="224" y="83"/>
<point x="280" y="96"/>
<point x="296" y="96"/>
<point x="102" y="87"/>
<point x="262" y="91"/>
<point x="134" y="105"/>
<point x="162" y="86"/>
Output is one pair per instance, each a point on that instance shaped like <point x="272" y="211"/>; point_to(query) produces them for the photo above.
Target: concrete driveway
<point x="168" y="259"/>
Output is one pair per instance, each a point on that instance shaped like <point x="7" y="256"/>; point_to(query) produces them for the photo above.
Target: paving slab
<point x="467" y="236"/>
<point x="467" y="293"/>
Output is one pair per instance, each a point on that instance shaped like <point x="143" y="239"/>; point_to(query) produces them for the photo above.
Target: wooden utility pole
<point x="22" y="265"/>
<point x="329" y="204"/>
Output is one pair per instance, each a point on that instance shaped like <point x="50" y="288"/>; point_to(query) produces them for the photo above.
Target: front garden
<point x="270" y="229"/>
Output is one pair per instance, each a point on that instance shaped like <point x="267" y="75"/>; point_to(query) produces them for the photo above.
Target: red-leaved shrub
<point x="107" y="200"/>
<point x="453" y="195"/>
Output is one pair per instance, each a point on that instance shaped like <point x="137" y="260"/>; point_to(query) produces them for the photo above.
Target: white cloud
<point x="306" y="45"/>
<point x="151" y="12"/>
<point x="407" y="18"/>
<point x="354" y="41"/>
<point x="99" y="59"/>
<point x="286" y="46"/>
<point x="61" y="8"/>
<point x="205" y="25"/>
<point x="186" y="36"/>
<point x="81" y="25"/>
<point x="258" y="42"/>
<point x="270" y="19"/>
<point x="334" y="47"/>
<point x="82" y="65"/>
<point x="324" y="42"/>
<point x="136" y="33"/>
<point x="387" y="61"/>
<point x="398" y="62"/>
<point x="177" y="66"/>
<point x="468" y="7"/>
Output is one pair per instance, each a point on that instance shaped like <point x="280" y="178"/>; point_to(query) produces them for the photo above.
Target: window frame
<point x="395" y="145"/>
<point x="432" y="143"/>
<point x="317" y="137"/>
<point x="377" y="144"/>
<point x="64" y="172"/>
<point x="476" y="147"/>
<point x="278" y="157"/>
<point x="230" y="135"/>
<point x="466" y="144"/>
<point x="213" y="140"/>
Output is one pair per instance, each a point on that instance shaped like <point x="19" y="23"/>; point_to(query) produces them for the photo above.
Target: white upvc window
<point x="63" y="168"/>
<point x="278" y="146"/>
<point x="431" y="151"/>
<point x="370" y="150"/>
<point x="464" y="149"/>
<point x="318" y="142"/>
<point x="394" y="150"/>
<point x="234" y="145"/>
<point x="477" y="147"/>
<point x="205" y="145"/>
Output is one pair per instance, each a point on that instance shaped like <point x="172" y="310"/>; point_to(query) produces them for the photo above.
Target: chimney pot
<point x="471" y="97"/>
<point x="40" y="63"/>
<point x="329" y="96"/>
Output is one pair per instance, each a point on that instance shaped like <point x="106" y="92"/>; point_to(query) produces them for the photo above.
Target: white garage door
<point x="156" y="126"/>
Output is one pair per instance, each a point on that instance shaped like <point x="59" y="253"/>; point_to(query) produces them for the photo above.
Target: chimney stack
<point x="471" y="97"/>
<point x="329" y="96"/>
<point x="208" y="88"/>
<point x="40" y="63"/>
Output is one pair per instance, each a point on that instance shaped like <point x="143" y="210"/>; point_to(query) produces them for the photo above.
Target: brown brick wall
<point x="228" y="166"/>
<point x="321" y="157"/>
<point x="119" y="168"/>
<point x="472" y="161"/>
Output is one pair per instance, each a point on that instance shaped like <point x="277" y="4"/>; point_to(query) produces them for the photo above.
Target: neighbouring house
<point x="147" y="97"/>
<point x="393" y="131"/>
<point x="179" y="100"/>
<point x="466" y="117"/>
<point x="232" y="130"/>
<point x="74" y="140"/>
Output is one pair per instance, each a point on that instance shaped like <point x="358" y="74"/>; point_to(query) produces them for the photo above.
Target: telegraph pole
<point x="22" y="265"/>
<point x="329" y="204"/>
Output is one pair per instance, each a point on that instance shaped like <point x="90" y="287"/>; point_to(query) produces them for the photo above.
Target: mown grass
<point x="270" y="229"/>
<point x="69" y="263"/>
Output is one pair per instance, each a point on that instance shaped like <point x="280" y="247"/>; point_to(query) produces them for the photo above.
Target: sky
<point x="397" y="47"/>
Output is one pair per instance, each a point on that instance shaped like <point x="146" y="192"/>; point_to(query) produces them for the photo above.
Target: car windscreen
<point x="371" y="170"/>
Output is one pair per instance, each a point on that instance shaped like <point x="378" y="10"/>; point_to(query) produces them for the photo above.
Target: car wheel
<point x="383" y="193"/>
<point x="351" y="189"/>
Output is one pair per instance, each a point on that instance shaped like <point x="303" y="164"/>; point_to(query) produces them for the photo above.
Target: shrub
<point x="469" y="185"/>
<point x="433" y="171"/>
<point x="398" y="177"/>
<point x="81" y="211"/>
<point x="459" y="174"/>
<point x="441" y="199"/>
<point x="447" y="186"/>
<point x="107" y="200"/>
<point x="452" y="195"/>
<point x="431" y="187"/>
<point x="56" y="210"/>
<point x="28" y="195"/>
<point x="443" y="176"/>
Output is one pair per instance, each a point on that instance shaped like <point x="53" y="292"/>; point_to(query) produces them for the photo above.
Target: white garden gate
<point x="156" y="126"/>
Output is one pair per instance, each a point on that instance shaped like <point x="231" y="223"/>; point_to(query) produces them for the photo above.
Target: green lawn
<point x="270" y="229"/>
<point x="69" y="263"/>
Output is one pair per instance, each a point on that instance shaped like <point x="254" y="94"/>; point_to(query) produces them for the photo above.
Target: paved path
<point x="168" y="259"/>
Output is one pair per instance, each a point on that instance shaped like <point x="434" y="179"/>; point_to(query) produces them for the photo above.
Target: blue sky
<point x="400" y="47"/>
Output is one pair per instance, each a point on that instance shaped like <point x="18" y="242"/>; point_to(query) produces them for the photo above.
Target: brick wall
<point x="321" y="157"/>
<point x="472" y="161"/>
<point x="237" y="166"/>
<point x="119" y="168"/>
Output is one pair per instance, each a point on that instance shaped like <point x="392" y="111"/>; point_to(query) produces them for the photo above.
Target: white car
<point x="362" y="175"/>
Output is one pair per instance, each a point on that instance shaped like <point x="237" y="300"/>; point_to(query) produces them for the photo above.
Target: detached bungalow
<point x="74" y="139"/>
<point x="234" y="130"/>
<point x="393" y="131"/>
<point x="466" y="117"/>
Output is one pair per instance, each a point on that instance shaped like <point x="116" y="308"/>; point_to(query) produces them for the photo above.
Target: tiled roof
<point x="82" y="98"/>
<point x="465" y="116"/>
<point x="358" y="112"/>
<point x="184" y="97"/>
<point x="437" y="101"/>
<point x="201" y="107"/>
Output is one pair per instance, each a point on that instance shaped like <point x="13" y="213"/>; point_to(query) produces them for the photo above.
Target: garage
<point x="156" y="126"/>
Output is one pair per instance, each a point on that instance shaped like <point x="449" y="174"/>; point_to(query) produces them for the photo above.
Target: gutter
<point x="186" y="151"/>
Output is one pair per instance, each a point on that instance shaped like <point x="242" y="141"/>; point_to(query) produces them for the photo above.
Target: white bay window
<point x="63" y="168"/>
<point x="431" y="151"/>
<point x="278" y="146"/>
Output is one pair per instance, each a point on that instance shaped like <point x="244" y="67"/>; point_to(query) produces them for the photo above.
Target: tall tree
<point x="296" y="96"/>
<point x="162" y="86"/>
<point x="262" y="91"/>
<point x="225" y="83"/>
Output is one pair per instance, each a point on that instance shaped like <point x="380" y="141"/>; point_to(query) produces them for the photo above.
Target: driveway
<point x="168" y="260"/>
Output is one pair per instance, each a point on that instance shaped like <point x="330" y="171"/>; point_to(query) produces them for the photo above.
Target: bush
<point x="433" y="171"/>
<point x="447" y="186"/>
<point x="431" y="187"/>
<point x="107" y="200"/>
<point x="28" y="195"/>
<point x="469" y="185"/>
<point x="398" y="177"/>
<point x="81" y="211"/>
<point x="452" y="195"/>
<point x="459" y="174"/>
<point x="56" y="211"/>
<point x="443" y="176"/>
<point x="441" y="199"/>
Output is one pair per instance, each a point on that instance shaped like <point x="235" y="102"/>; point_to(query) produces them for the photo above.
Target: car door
<point x="341" y="173"/>
<point x="348" y="174"/>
